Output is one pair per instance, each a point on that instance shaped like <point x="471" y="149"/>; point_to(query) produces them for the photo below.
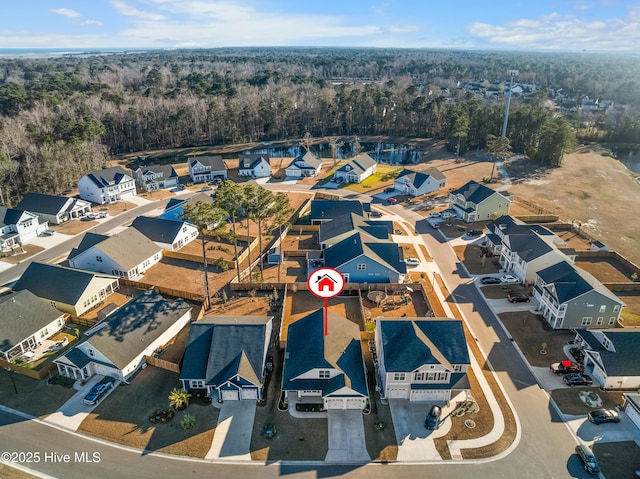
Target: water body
<point x="629" y="158"/>
<point x="33" y="53"/>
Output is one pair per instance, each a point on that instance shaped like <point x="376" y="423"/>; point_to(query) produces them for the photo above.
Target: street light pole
<point x="13" y="381"/>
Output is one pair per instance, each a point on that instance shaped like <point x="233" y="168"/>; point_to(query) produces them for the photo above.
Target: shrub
<point x="188" y="422"/>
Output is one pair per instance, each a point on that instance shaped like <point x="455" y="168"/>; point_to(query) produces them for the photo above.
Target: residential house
<point x="155" y="177"/>
<point x="54" y="209"/>
<point x="25" y="321"/>
<point x="524" y="255"/>
<point x="70" y="290"/>
<point x="632" y="407"/>
<point x="500" y="228"/>
<point x="128" y="254"/>
<point x="324" y="371"/>
<point x="18" y="227"/>
<point x="175" y="207"/>
<point x="571" y="298"/>
<point x="165" y="233"/>
<point x="323" y="211"/>
<point x="611" y="356"/>
<point x="356" y="169"/>
<point x="107" y="186"/>
<point x="421" y="359"/>
<point x="206" y="168"/>
<point x="226" y="356"/>
<point x="304" y="165"/>
<point x="477" y="202"/>
<point x="255" y="165"/>
<point x="417" y="183"/>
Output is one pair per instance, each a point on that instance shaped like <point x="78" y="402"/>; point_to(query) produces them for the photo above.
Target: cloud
<point x="130" y="11"/>
<point x="93" y="22"/>
<point x="66" y="12"/>
<point x="581" y="6"/>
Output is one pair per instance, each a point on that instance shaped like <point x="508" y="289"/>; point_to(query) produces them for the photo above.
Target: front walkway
<point x="346" y="437"/>
<point x="232" y="439"/>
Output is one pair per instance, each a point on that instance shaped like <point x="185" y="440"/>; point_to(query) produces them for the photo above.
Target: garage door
<point x="355" y="403"/>
<point x="334" y="403"/>
<point x="106" y="371"/>
<point x="397" y="393"/>
<point x="429" y="395"/>
<point x="250" y="393"/>
<point x="229" y="395"/>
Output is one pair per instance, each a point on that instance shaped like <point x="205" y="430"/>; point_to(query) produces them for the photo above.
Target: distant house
<point x="25" y="320"/>
<point x="477" y="202"/>
<point x="18" y="227"/>
<point x="167" y="234"/>
<point x="304" y="166"/>
<point x="416" y="183"/>
<point x="356" y="169"/>
<point x="107" y="186"/>
<point x="571" y="298"/>
<point x="155" y="177"/>
<point x="324" y="372"/>
<point x="422" y="359"/>
<point x="54" y="209"/>
<point x="323" y="211"/>
<point x="70" y="290"/>
<point x="227" y="357"/>
<point x="128" y="254"/>
<point x="206" y="168"/>
<point x="255" y="165"/>
<point x="117" y="346"/>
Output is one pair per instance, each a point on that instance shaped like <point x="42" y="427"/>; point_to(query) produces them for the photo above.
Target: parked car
<point x="99" y="390"/>
<point x="92" y="216"/>
<point x="206" y="188"/>
<point x="602" y="415"/>
<point x="434" y="224"/>
<point x="103" y="214"/>
<point x="412" y="261"/>
<point x="566" y="367"/>
<point x="48" y="232"/>
<point x="389" y="190"/>
<point x="391" y="200"/>
<point x="435" y="214"/>
<point x="473" y="233"/>
<point x="577" y="379"/>
<point x="490" y="280"/>
<point x="432" y="420"/>
<point x="181" y="187"/>
<point x="509" y="278"/>
<point x="589" y="461"/>
<point x="448" y="214"/>
<point x="518" y="298"/>
<point x="376" y="214"/>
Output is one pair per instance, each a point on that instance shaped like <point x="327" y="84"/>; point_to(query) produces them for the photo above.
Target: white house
<point x="524" y="255"/>
<point x="206" y="168"/>
<point x="255" y="165"/>
<point x="18" y="227"/>
<point x="168" y="234"/>
<point x="417" y="183"/>
<point x="54" y="209"/>
<point x="155" y="177"/>
<point x="356" y="169"/>
<point x="304" y="166"/>
<point x="107" y="186"/>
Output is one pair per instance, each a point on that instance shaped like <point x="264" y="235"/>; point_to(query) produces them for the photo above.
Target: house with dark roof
<point x="416" y="183"/>
<point x="523" y="255"/>
<point x="500" y="228"/>
<point x="155" y="177"/>
<point x="477" y="202"/>
<point x="18" y="227"/>
<point x="70" y="290"/>
<point x="117" y="346"/>
<point x="304" y="165"/>
<point x="324" y="372"/>
<point x="611" y="356"/>
<point x="356" y="169"/>
<point x="107" y="186"/>
<point x="25" y="321"/>
<point x="206" y="168"/>
<point x="54" y="209"/>
<point x="167" y="234"/>
<point x="323" y="211"/>
<point x="569" y="298"/>
<point x="255" y="165"/>
<point x="226" y="356"/>
<point x="421" y="359"/>
<point x="128" y="254"/>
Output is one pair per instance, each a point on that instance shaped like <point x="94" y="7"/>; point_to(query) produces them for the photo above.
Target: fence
<point x="176" y="293"/>
<point x="162" y="364"/>
<point x="196" y="258"/>
<point x="632" y="267"/>
<point x="39" y="374"/>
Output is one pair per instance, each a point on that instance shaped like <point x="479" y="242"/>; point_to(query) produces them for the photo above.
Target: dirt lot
<point x="573" y="240"/>
<point x="22" y="253"/>
<point x="470" y="255"/>
<point x="569" y="402"/>
<point x="34" y="397"/>
<point x="395" y="307"/>
<point x="297" y="242"/>
<point x="631" y="312"/>
<point x="606" y="270"/>
<point x="74" y="227"/>
<point x="618" y="460"/>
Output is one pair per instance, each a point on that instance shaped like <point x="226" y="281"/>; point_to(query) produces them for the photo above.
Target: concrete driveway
<point x="232" y="439"/>
<point x="625" y="430"/>
<point x="503" y="305"/>
<point x="346" y="437"/>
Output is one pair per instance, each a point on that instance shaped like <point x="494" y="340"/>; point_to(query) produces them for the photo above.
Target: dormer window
<point x="324" y="374"/>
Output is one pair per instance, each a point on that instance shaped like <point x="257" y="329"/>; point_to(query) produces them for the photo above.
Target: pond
<point x="629" y="158"/>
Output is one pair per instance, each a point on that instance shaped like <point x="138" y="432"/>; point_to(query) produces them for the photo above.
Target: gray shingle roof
<point x="332" y="209"/>
<point x="418" y="178"/>
<point x="528" y="246"/>
<point x="43" y="204"/>
<point x="108" y="176"/>
<point x="128" y="248"/>
<point x="301" y="161"/>
<point x="248" y="161"/>
<point x="625" y="359"/>
<point x="167" y="171"/>
<point x="157" y="229"/>
<point x="12" y="216"/>
<point x="87" y="241"/>
<point x="566" y="282"/>
<point x="214" y="162"/>
<point x="474" y="192"/>
<point x="358" y="164"/>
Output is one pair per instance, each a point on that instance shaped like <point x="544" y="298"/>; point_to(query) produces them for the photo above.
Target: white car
<point x="508" y="278"/>
<point x="448" y="214"/>
<point x="103" y="214"/>
<point x="412" y="261"/>
<point x="92" y="216"/>
<point x="435" y="215"/>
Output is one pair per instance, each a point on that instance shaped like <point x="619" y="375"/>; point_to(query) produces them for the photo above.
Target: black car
<point x="433" y="418"/>
<point x="577" y="379"/>
<point x="589" y="461"/>
<point x="472" y="233"/>
<point x="376" y="214"/>
<point x="490" y="280"/>
<point x="602" y="415"/>
<point x="518" y="298"/>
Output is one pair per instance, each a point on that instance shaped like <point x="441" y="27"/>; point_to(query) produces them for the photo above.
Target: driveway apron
<point x="346" y="437"/>
<point x="232" y="439"/>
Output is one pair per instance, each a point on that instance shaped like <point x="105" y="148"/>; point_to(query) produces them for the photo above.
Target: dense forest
<point x="62" y="117"/>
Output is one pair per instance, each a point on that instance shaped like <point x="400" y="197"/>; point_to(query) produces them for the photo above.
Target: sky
<point x="539" y="25"/>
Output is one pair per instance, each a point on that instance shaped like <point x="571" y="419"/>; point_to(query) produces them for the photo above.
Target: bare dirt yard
<point x="606" y="270"/>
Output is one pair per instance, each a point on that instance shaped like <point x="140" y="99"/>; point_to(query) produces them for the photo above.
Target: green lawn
<point x="383" y="177"/>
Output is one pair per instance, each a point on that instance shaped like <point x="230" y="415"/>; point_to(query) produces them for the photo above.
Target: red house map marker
<point x="325" y="283"/>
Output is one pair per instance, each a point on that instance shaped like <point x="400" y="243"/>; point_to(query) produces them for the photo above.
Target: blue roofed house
<point x="117" y="345"/>
<point x="304" y="165"/>
<point x="107" y="186"/>
<point x="416" y="183"/>
<point x="255" y="165"/>
<point x="324" y="372"/>
<point x="477" y="202"/>
<point x="500" y="228"/>
<point x="54" y="209"/>
<point x="356" y="169"/>
<point x="421" y="359"/>
<point x="206" y="168"/>
<point x="570" y="298"/>
<point x="168" y="234"/>
<point x="323" y="211"/>
<point x="155" y="177"/>
<point x="227" y="357"/>
<point x="18" y="227"/>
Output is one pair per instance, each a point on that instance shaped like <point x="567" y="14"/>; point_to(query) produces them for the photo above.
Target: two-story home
<point x="107" y="186"/>
<point x="70" y="290"/>
<point x="25" y="321"/>
<point x="255" y="165"/>
<point x="206" y="168"/>
<point x="155" y="177"/>
<point x="304" y="165"/>
<point x="227" y="357"/>
<point x="18" y="227"/>
<point x="323" y="211"/>
<point x="128" y="254"/>
<point x="477" y="202"/>
<point x="168" y="234"/>
<point x="524" y="255"/>
<point x="324" y="372"/>
<point x="500" y="228"/>
<point x="569" y="298"/>
<point x="417" y="183"/>
<point x="54" y="209"/>
<point x="117" y="346"/>
<point x="421" y="359"/>
<point x="356" y="169"/>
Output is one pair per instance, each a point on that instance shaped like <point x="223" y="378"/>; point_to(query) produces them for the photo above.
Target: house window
<point x="324" y="374"/>
<point x="90" y="352"/>
<point x="590" y="305"/>
<point x="184" y="229"/>
<point x="586" y="321"/>
<point x="457" y="368"/>
<point x="99" y="259"/>
<point x="197" y="383"/>
<point x="616" y="308"/>
<point x="606" y="343"/>
<point x="599" y="320"/>
<point x="53" y="303"/>
<point x="420" y="376"/>
<point x="362" y="267"/>
<point x="603" y="308"/>
<point x="398" y="376"/>
<point x="44" y="333"/>
<point x="612" y="320"/>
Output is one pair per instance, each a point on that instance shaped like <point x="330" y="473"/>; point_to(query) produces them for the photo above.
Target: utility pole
<point x="512" y="74"/>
